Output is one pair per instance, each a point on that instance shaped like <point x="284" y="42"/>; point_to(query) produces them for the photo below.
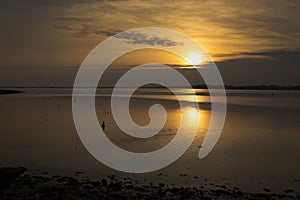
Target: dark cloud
<point x="278" y="67"/>
<point x="107" y="32"/>
<point x="273" y="54"/>
<point x="77" y="31"/>
<point x="133" y="37"/>
<point x="85" y="29"/>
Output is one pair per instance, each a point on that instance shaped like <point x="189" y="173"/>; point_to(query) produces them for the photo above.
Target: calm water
<point x="259" y="146"/>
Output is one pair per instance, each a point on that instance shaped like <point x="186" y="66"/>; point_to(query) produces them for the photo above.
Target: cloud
<point x="107" y="32"/>
<point x="84" y="30"/>
<point x="232" y="25"/>
<point x="61" y="29"/>
<point x="271" y="54"/>
<point x="133" y="37"/>
<point x="280" y="68"/>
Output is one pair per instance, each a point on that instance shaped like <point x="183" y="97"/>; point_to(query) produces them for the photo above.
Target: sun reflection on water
<point x="193" y="113"/>
<point x="190" y="117"/>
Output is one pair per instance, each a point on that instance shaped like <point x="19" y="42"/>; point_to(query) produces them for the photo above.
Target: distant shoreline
<point x="10" y="90"/>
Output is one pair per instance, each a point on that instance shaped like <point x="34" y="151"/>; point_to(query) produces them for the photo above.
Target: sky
<point x="252" y="41"/>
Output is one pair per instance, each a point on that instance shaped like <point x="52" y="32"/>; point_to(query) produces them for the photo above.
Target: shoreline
<point x="14" y="184"/>
<point x="3" y="92"/>
<point x="201" y="86"/>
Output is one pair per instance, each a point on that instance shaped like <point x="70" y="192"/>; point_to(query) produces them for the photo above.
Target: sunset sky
<point x="252" y="42"/>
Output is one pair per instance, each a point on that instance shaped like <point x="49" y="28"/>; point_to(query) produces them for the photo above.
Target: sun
<point x="194" y="59"/>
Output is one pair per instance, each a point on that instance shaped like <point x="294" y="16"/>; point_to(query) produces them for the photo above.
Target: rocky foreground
<point x="15" y="185"/>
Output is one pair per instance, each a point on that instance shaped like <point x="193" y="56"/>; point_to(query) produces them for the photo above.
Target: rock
<point x="104" y="182"/>
<point x="223" y="186"/>
<point x="262" y="196"/>
<point x="220" y="192"/>
<point x="8" y="175"/>
<point x="288" y="191"/>
<point x="161" y="185"/>
<point x="239" y="193"/>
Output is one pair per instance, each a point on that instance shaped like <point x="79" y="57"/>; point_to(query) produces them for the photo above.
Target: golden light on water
<point x="193" y="113"/>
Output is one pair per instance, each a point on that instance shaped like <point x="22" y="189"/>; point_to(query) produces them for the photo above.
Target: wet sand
<point x="14" y="184"/>
<point x="257" y="154"/>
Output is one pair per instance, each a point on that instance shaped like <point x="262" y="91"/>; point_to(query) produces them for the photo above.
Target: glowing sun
<point x="194" y="59"/>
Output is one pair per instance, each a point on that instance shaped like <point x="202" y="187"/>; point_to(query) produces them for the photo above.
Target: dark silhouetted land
<point x="9" y="91"/>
